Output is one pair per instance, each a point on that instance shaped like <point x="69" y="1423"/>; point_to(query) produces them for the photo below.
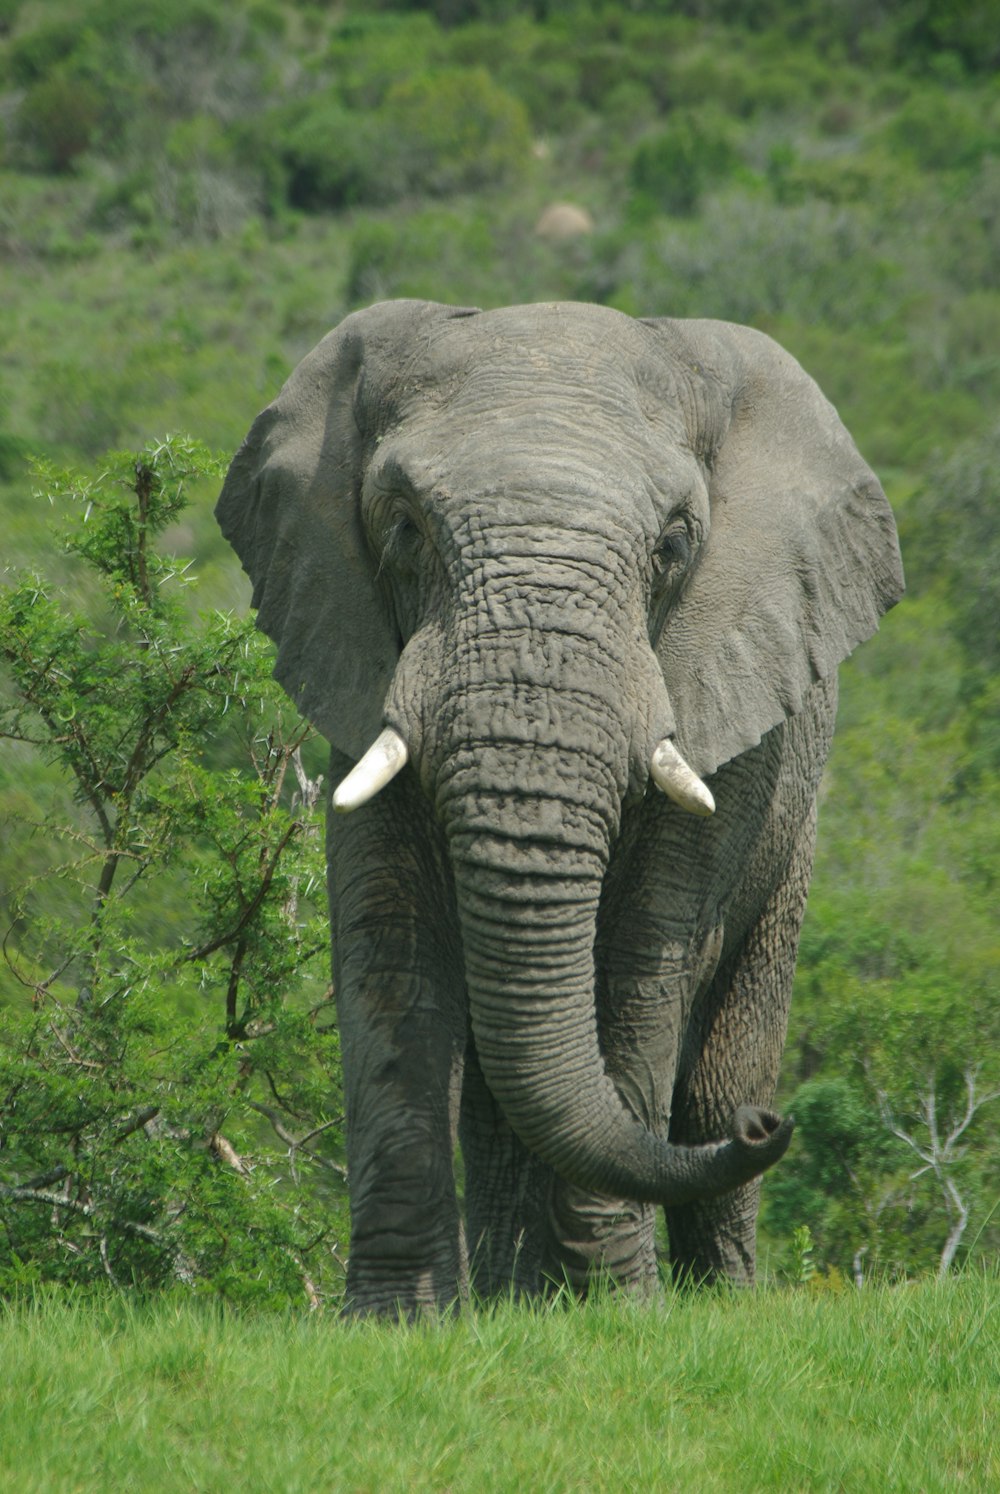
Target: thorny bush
<point x="169" y="1065"/>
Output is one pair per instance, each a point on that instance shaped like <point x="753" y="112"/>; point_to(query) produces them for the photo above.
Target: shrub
<point x="971" y="247"/>
<point x="548" y="87"/>
<point x="872" y="176"/>
<point x="841" y="1146"/>
<point x="58" y="120"/>
<point x="671" y="169"/>
<point x="943" y="131"/>
<point x="601" y="69"/>
<point x="455" y="130"/>
<point x="164" y="963"/>
<point x="954" y="539"/>
<point x="747" y="260"/>
<point x="333" y="157"/>
<point x="8" y="15"/>
<point x="741" y="81"/>
<point x="427" y="255"/>
<point x="200" y="187"/>
<point x="163" y="23"/>
<point x="34" y="55"/>
<point x="439" y="132"/>
<point x="371" y="52"/>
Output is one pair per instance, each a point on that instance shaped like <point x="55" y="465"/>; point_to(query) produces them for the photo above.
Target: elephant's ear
<point x="290" y="507"/>
<point x="801" y="558"/>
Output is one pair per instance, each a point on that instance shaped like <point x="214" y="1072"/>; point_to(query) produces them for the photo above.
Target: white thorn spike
<point x="384" y="759"/>
<point x="678" y="781"/>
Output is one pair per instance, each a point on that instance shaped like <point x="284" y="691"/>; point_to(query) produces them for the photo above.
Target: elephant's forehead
<point x="544" y="330"/>
<point x="497" y="359"/>
<point x="516" y="383"/>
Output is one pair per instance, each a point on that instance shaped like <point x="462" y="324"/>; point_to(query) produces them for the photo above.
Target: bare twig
<point x="44" y="1195"/>
<point x="55" y="1175"/>
<point x="40" y="988"/>
<point x="305" y="798"/>
<point x="338" y="1120"/>
<point x="286" y="1105"/>
<point x="939" y="1156"/>
<point x="324" y="1001"/>
<point x="106" y="1263"/>
<point x="233" y="987"/>
<point x="71" y="1053"/>
<point x="300" y="1144"/>
<point x="310" y="789"/>
<point x="308" y="1285"/>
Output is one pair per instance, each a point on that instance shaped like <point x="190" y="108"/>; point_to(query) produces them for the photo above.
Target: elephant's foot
<point x="714" y="1240"/>
<point x="595" y="1239"/>
<point x="407" y="1253"/>
<point x="421" y="1299"/>
<point x="403" y="1292"/>
<point x="506" y="1261"/>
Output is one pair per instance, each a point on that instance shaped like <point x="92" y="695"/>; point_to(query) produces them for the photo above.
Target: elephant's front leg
<point x="641" y="989"/>
<point x="507" y="1190"/>
<point x="400" y="1000"/>
<point x="593" y="1236"/>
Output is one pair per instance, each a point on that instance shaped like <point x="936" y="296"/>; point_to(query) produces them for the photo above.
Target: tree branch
<point x="205" y="950"/>
<point x="300" y="1144"/>
<point x="939" y="1156"/>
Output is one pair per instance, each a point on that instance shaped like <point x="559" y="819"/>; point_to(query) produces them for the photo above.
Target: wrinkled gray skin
<point x="537" y="541"/>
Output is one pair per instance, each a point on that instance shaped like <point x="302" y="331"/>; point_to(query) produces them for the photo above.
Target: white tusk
<point x="383" y="760"/>
<point x="678" y="781"/>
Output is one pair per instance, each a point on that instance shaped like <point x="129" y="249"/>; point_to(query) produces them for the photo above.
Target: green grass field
<point x="886" y="1389"/>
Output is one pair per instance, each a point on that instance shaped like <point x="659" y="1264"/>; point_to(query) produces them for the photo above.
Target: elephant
<point x="566" y="590"/>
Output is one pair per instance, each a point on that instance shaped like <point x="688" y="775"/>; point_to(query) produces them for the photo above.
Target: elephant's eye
<point x="672" y="550"/>
<point x="401" y="542"/>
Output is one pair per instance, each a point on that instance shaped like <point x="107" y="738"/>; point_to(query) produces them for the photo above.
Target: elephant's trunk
<point x="529" y="863"/>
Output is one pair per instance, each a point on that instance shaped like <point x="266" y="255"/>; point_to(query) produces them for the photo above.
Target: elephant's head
<point x="545" y="554"/>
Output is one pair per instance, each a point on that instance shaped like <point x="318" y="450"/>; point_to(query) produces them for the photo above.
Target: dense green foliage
<point x="807" y="1390"/>
<point x="192" y="194"/>
<point x="162" y="940"/>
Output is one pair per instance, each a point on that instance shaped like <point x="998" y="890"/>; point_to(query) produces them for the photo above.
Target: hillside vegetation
<point x="191" y="194"/>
